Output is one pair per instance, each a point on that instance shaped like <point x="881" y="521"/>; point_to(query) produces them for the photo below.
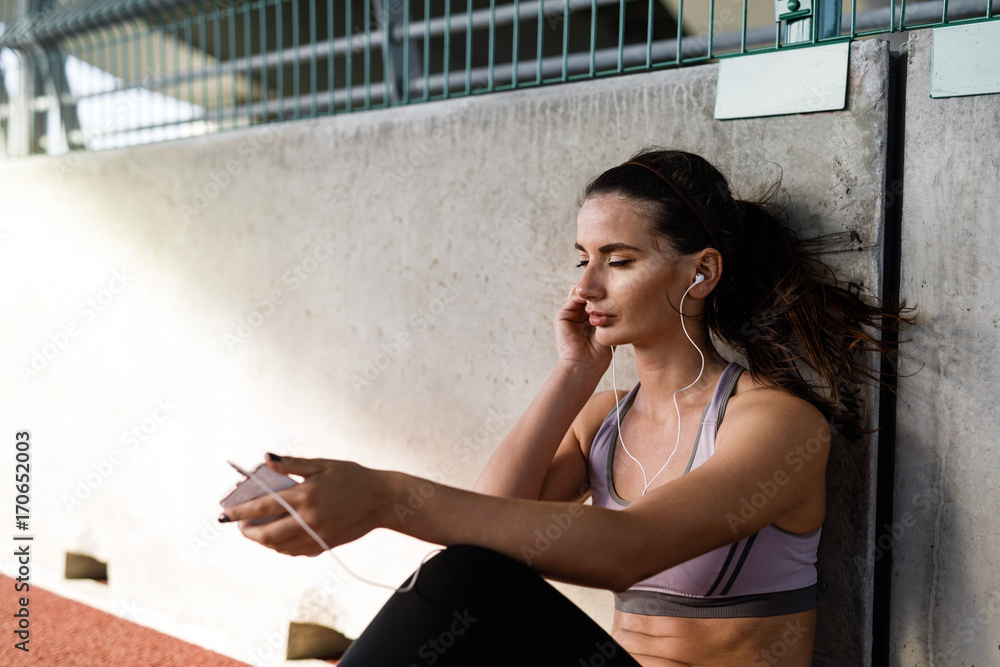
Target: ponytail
<point x="777" y="303"/>
<point x="796" y="324"/>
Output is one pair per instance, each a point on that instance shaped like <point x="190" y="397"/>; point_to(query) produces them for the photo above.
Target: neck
<point x="668" y="367"/>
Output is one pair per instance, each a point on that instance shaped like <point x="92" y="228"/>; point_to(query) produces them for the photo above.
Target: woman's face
<point x="631" y="283"/>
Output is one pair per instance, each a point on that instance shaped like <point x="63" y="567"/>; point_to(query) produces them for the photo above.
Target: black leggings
<point x="473" y="607"/>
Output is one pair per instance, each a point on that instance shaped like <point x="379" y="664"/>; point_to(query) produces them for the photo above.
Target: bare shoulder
<point x="759" y="407"/>
<point x="593" y="414"/>
<point x="772" y="439"/>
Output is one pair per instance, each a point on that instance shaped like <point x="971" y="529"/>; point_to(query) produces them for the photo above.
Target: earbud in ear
<point x="699" y="278"/>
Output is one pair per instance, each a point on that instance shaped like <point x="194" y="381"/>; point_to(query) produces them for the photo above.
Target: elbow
<point x="624" y="578"/>
<point x="621" y="584"/>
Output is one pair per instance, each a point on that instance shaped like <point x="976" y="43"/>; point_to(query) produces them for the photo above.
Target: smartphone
<point x="248" y="489"/>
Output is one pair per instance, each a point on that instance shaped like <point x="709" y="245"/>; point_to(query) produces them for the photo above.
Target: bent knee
<point x="470" y="569"/>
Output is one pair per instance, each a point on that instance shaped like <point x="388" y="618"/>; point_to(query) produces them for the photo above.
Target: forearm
<point x="566" y="541"/>
<point x="518" y="466"/>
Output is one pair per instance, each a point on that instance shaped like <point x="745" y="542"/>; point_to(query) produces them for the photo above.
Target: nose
<point x="589" y="287"/>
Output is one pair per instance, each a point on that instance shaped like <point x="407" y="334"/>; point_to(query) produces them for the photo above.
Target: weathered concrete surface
<point x="946" y="593"/>
<point x="376" y="287"/>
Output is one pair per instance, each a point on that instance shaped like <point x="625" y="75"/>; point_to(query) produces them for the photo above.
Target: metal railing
<point x="107" y="73"/>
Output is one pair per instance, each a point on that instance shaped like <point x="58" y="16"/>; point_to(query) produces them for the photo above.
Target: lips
<point x="599" y="319"/>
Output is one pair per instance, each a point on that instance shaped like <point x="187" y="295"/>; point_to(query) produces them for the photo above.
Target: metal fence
<point x="109" y="73"/>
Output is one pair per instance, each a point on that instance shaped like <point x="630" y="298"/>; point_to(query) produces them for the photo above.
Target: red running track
<point x="65" y="633"/>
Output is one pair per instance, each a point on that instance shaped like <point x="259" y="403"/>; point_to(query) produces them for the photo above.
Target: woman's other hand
<point x="340" y="500"/>
<point x="575" y="335"/>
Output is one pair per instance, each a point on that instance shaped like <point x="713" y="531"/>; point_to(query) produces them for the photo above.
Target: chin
<point x="609" y="338"/>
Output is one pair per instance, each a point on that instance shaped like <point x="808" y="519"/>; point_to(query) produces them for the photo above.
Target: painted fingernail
<point x="273" y="457"/>
<point x="224" y="519"/>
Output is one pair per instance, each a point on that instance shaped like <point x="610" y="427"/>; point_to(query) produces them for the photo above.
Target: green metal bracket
<point x="800" y="15"/>
<point x="787" y="10"/>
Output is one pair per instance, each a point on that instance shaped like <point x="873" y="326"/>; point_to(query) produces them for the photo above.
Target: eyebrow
<point x="611" y="247"/>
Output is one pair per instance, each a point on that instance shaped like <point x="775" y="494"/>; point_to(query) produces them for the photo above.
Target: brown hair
<point x="777" y="303"/>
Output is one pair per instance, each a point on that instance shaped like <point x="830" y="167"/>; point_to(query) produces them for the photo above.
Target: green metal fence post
<point x="36" y="80"/>
<point x="4" y="149"/>
<point x="400" y="61"/>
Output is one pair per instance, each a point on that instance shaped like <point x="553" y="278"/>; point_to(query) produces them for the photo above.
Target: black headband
<point x="680" y="193"/>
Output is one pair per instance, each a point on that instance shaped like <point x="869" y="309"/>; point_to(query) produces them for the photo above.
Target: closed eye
<point x="616" y="263"/>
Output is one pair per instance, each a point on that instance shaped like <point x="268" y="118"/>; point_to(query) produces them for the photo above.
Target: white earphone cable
<point x="319" y="540"/>
<point x="646" y="484"/>
<point x="413" y="581"/>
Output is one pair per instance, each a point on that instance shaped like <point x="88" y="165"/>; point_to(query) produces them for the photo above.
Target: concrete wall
<point x="376" y="287"/>
<point x="946" y="594"/>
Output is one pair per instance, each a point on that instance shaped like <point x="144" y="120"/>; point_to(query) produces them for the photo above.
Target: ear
<point x="708" y="263"/>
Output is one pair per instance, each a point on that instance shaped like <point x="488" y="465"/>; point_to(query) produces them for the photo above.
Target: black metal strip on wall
<point x="886" y="457"/>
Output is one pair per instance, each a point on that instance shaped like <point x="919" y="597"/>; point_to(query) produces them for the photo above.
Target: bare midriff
<point x="666" y="641"/>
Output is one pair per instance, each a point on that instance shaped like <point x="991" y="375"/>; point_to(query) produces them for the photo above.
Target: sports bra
<point x="769" y="573"/>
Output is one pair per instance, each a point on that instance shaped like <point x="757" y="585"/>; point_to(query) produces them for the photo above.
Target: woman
<point x="707" y="482"/>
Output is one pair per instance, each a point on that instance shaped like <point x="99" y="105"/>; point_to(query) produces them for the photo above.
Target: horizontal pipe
<point x="502" y="15"/>
<point x="664" y="52"/>
<point x="68" y="20"/>
<point x="226" y="115"/>
<point x="240" y="66"/>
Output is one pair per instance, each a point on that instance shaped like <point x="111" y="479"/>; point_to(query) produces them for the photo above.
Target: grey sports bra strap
<point x="727" y="392"/>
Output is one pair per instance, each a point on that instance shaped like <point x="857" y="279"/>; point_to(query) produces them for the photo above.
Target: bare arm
<point x="582" y="544"/>
<point x="540" y="457"/>
<point x="520" y="464"/>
